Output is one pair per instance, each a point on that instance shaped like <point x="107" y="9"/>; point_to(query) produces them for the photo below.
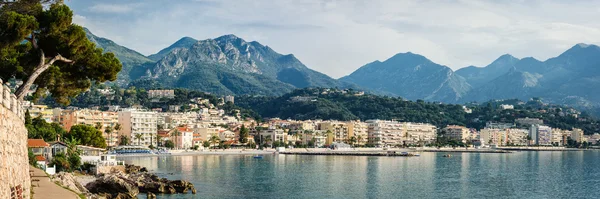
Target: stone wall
<point x="14" y="164"/>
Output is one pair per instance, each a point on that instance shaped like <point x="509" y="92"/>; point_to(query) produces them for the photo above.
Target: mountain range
<point x="230" y="65"/>
<point x="224" y="65"/>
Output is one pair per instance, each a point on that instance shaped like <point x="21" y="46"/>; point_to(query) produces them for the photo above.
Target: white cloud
<point x="337" y="37"/>
<point x="112" y="8"/>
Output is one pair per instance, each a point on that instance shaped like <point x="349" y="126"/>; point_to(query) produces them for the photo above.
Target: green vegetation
<point x="169" y="144"/>
<point x="87" y="135"/>
<point x="345" y="106"/>
<point x="41" y="46"/>
<point x="38" y="128"/>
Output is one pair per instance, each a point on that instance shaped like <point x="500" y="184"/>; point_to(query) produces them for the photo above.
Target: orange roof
<point x="40" y="158"/>
<point x="184" y="129"/>
<point x="36" y="143"/>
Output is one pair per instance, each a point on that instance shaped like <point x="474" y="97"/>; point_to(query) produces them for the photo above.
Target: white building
<point x="384" y="133"/>
<point x="229" y="98"/>
<point x="507" y="106"/>
<point x="540" y="134"/>
<point x="136" y="121"/>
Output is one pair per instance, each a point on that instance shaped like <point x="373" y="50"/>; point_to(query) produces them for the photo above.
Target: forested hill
<point x="319" y="103"/>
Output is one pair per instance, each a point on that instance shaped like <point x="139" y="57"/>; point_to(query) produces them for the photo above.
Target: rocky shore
<point x="124" y="185"/>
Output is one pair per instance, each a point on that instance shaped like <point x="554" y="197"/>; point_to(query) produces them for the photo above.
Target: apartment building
<point x="272" y="134"/>
<point x="383" y="133"/>
<point x="171" y="120"/>
<point x="458" y="133"/>
<point x="493" y="136"/>
<point x="359" y="130"/>
<point x="157" y="94"/>
<point x="540" y="134"/>
<point x="107" y="119"/>
<point x="138" y="121"/>
<point x="42" y="111"/>
<point x="183" y="137"/>
<point x="339" y="131"/>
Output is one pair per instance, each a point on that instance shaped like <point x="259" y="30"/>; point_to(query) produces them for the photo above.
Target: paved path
<point x="46" y="189"/>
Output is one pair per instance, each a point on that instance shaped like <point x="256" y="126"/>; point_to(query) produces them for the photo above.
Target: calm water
<point x="517" y="175"/>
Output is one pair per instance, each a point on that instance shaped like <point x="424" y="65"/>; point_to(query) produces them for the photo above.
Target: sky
<point x="338" y="37"/>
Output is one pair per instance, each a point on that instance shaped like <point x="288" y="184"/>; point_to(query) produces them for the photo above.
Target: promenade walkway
<point x="43" y="188"/>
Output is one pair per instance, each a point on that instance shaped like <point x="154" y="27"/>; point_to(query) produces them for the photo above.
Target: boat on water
<point x="447" y="155"/>
<point x="257" y="157"/>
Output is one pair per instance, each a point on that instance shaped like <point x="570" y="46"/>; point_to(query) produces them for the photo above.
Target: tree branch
<point x="32" y="40"/>
<point x="37" y="71"/>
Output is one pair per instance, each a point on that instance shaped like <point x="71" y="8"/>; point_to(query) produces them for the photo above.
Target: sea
<point x="569" y="174"/>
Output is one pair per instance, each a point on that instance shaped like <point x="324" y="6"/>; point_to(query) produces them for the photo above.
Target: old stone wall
<point x="14" y="164"/>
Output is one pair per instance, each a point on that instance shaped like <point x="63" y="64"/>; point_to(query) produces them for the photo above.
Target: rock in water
<point x="67" y="180"/>
<point x="114" y="184"/>
<point x="151" y="195"/>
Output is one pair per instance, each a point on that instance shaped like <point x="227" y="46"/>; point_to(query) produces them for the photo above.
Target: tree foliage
<point x="38" y="128"/>
<point x="40" y="45"/>
<point x="87" y="135"/>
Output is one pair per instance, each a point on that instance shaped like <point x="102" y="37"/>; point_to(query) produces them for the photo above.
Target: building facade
<point x="139" y="122"/>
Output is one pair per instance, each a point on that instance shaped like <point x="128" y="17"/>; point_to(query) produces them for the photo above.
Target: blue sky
<point x="337" y="37"/>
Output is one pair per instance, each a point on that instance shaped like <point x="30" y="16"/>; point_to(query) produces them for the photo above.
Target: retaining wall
<point x="15" y="181"/>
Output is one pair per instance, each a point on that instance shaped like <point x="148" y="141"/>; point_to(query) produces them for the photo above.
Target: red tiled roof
<point x="184" y="129"/>
<point x="40" y="158"/>
<point x="36" y="143"/>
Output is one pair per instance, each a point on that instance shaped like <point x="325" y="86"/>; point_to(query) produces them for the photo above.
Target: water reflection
<point x="516" y="175"/>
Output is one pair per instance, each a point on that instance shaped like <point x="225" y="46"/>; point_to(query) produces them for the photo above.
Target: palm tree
<point x="117" y="128"/>
<point x="268" y="140"/>
<point x="72" y="145"/>
<point x="176" y="133"/>
<point x="98" y="125"/>
<point x="214" y="139"/>
<point x="108" y="131"/>
<point x="139" y="137"/>
<point x="158" y="140"/>
<point x="352" y="140"/>
<point x="359" y="138"/>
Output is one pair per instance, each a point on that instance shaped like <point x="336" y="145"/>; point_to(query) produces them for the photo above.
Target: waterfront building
<point x="493" y="136"/>
<point x="458" y="133"/>
<point x="359" y="130"/>
<point x="272" y="134"/>
<point x="182" y="137"/>
<point x="577" y="135"/>
<point x="106" y="119"/>
<point x="339" y="131"/>
<point x="206" y="132"/>
<point x="137" y="121"/>
<point x="226" y="135"/>
<point x="516" y="136"/>
<point x="540" y="134"/>
<point x="316" y="138"/>
<point x="384" y="133"/>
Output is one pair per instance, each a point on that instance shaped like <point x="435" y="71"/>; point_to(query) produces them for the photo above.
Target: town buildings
<point x="106" y="119"/>
<point x="158" y="94"/>
<point x="541" y="135"/>
<point x="136" y="122"/>
<point x="384" y="133"/>
<point x="337" y="131"/>
<point x="458" y="133"/>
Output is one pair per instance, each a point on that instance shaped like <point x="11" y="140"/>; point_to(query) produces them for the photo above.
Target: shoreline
<point x="350" y="152"/>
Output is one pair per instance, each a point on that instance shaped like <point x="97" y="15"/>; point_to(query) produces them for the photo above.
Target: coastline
<point x="351" y="151"/>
